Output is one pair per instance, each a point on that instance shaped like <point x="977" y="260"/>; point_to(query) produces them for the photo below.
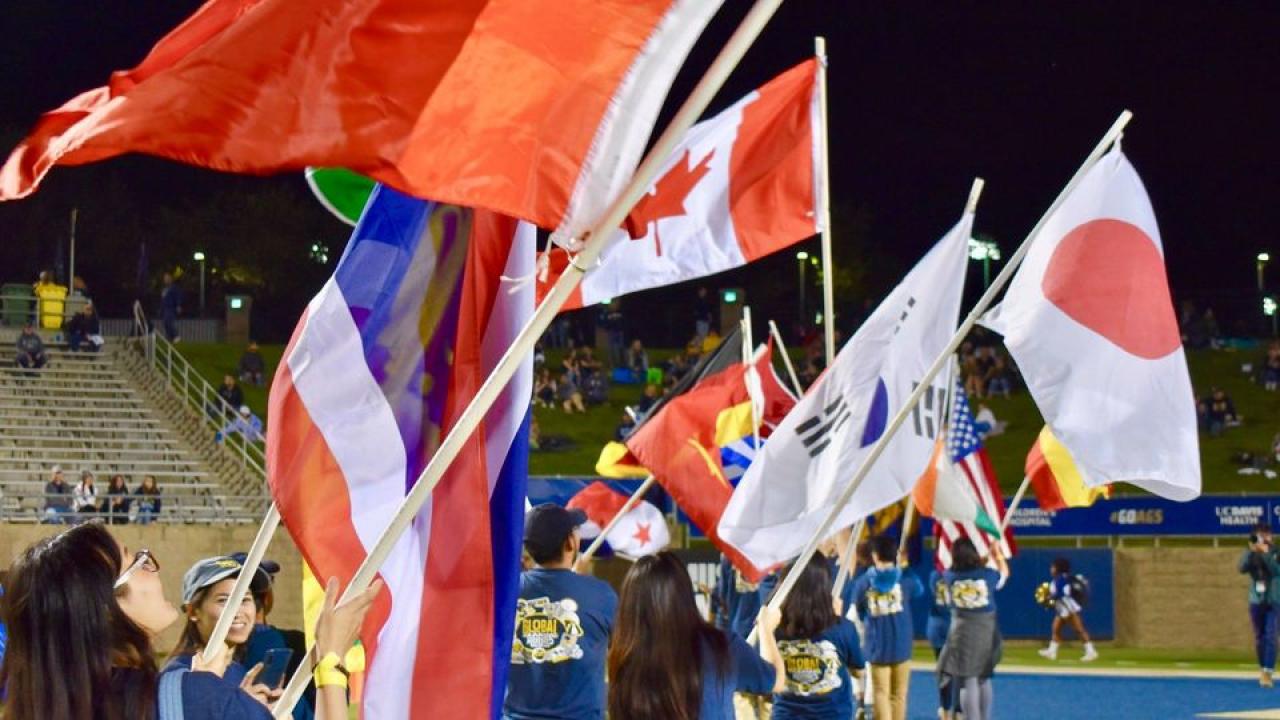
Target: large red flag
<point x="536" y="108"/>
<point x="685" y="444"/>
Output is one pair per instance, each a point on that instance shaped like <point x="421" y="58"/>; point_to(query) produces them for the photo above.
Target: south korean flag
<point x="795" y="479"/>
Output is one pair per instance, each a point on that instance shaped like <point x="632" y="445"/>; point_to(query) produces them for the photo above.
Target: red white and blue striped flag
<point x="385" y="358"/>
<point x="965" y="450"/>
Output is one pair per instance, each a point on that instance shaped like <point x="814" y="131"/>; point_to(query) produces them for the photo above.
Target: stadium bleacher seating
<point x="110" y="412"/>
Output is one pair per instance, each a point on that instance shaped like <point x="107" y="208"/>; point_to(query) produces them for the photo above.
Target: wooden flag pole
<point x="824" y="205"/>
<point x="786" y="359"/>
<point x="1006" y="273"/>
<point x="1013" y="506"/>
<point x="693" y="107"/>
<point x="849" y="564"/>
<point x="259" y="548"/>
<point x="626" y="508"/>
<point x="908" y="516"/>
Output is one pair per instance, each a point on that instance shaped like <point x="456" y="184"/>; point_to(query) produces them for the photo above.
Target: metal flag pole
<point x="786" y="358"/>
<point x="748" y="30"/>
<point x="626" y="508"/>
<point x="824" y="205"/>
<point x="1006" y="273"/>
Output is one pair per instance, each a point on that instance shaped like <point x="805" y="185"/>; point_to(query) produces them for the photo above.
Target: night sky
<point x="924" y="96"/>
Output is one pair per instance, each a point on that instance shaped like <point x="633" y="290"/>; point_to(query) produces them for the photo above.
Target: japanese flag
<point x="1090" y="322"/>
<point x="641" y="531"/>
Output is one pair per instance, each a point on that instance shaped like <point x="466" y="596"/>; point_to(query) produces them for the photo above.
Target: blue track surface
<point x="1063" y="697"/>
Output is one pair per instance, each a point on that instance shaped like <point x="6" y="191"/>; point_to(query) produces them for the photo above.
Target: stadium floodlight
<point x="802" y="255"/>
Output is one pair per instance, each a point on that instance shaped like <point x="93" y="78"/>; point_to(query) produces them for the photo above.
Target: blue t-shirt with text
<point x="939" y="622"/>
<point x="886" y="611"/>
<point x="563" y="623"/>
<point x="818" y="682"/>
<point x="973" y="591"/>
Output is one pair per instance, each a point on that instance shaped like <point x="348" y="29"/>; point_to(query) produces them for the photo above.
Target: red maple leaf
<point x="667" y="199"/>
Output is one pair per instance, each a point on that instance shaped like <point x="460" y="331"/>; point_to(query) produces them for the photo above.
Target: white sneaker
<point x="1090" y="654"/>
<point x="1048" y="653"/>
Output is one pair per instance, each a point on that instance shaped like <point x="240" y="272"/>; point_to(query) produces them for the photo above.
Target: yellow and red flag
<point x="695" y="443"/>
<point x="1055" y="477"/>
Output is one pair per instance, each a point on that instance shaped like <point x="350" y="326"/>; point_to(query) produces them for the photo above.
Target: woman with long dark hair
<point x="666" y="661"/>
<point x="974" y="646"/>
<point x="818" y="648"/>
<point x="82" y="613"/>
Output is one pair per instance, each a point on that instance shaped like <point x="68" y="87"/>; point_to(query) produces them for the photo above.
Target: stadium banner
<point x="1149" y="515"/>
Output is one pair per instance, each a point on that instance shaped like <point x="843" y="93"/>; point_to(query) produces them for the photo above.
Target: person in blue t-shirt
<point x="818" y="649"/>
<point x="936" y="628"/>
<point x="974" y="645"/>
<point x="883" y="596"/>
<point x="737" y="600"/>
<point x="666" y="661"/>
<point x="563" y="623"/>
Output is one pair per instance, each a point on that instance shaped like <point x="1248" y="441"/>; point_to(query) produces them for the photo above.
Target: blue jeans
<point x="1263" y="616"/>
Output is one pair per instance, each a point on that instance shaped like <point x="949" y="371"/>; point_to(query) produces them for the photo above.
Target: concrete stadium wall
<point x="178" y="547"/>
<point x="1181" y="598"/>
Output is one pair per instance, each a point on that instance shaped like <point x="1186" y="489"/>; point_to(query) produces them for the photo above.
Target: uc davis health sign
<point x="1149" y="515"/>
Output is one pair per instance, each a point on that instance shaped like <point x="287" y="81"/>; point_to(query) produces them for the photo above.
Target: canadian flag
<point x="740" y="186"/>
<point x="642" y="531"/>
<point x="1090" y="322"/>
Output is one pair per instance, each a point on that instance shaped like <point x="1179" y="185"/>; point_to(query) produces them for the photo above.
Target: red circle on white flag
<point x="1108" y="276"/>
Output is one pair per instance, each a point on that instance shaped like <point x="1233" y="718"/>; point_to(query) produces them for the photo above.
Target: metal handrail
<point x="201" y="396"/>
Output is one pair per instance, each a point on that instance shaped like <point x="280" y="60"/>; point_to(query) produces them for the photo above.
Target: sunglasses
<point x="142" y="559"/>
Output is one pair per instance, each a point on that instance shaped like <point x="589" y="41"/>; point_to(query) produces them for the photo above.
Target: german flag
<point x="1055" y="477"/>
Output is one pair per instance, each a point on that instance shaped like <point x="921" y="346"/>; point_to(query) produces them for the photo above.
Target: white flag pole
<point x="748" y="30"/>
<point x="748" y="359"/>
<point x="786" y="358"/>
<point x="908" y="516"/>
<point x="849" y="561"/>
<point x="824" y="205"/>
<point x="259" y="548"/>
<point x="626" y="508"/>
<point x="943" y="358"/>
<point x="1013" y="506"/>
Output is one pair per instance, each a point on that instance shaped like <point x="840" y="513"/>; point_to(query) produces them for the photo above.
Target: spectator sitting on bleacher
<point x="252" y="367"/>
<point x="118" y="501"/>
<point x="84" y="332"/>
<point x="31" y="353"/>
<point x="647" y="400"/>
<point x="86" y="496"/>
<point x="231" y="394"/>
<point x="246" y="424"/>
<point x="148" y="497"/>
<point x="57" y="498"/>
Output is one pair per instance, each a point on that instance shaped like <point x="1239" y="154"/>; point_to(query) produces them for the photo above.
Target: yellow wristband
<point x="329" y="671"/>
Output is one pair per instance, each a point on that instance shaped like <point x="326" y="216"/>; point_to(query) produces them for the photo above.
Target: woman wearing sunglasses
<point x="82" y="614"/>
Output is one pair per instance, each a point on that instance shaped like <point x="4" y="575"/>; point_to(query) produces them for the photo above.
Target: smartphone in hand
<point x="275" y="664"/>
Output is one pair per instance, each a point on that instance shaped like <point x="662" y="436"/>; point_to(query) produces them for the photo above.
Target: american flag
<point x="964" y="448"/>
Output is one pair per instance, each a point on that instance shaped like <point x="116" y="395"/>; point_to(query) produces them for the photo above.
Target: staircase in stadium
<point x="133" y="409"/>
